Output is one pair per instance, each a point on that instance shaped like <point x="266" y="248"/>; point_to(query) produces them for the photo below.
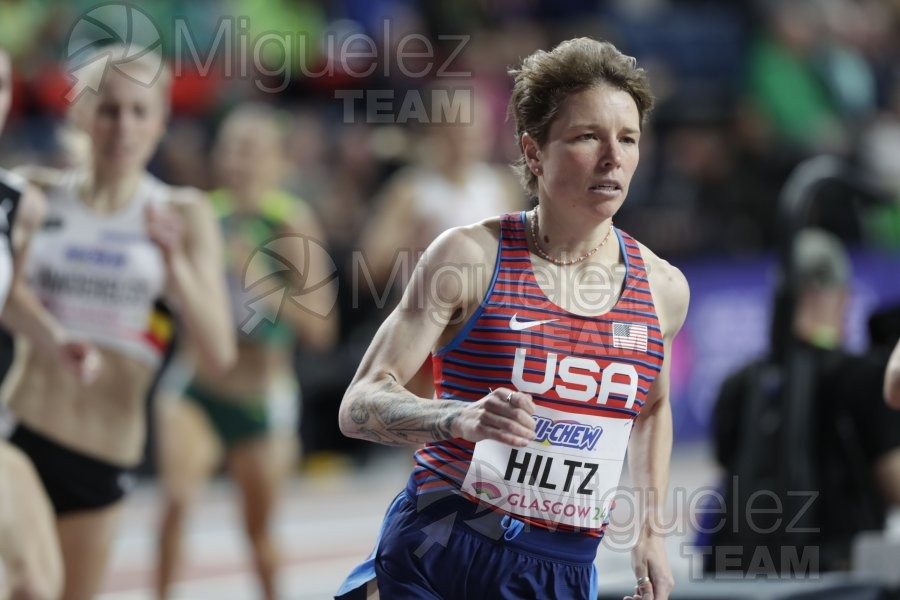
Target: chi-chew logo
<point x="568" y="434"/>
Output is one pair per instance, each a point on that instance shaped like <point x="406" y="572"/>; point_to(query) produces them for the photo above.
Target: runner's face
<point x="126" y="123"/>
<point x="5" y="87"/>
<point x="591" y="151"/>
<point x="247" y="155"/>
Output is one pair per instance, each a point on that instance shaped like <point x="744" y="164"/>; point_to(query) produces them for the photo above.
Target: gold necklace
<point x="558" y="261"/>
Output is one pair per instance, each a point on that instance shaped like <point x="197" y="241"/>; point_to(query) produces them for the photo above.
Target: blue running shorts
<point x="442" y="546"/>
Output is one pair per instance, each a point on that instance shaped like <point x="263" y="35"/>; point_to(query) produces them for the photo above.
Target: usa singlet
<point x="589" y="378"/>
<point x="100" y="274"/>
<point x="11" y="189"/>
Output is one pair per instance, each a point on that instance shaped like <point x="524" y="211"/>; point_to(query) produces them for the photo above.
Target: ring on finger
<point x="642" y="580"/>
<point x="509" y="398"/>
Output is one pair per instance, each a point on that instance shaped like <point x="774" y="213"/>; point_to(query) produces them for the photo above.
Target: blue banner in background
<point x="729" y="319"/>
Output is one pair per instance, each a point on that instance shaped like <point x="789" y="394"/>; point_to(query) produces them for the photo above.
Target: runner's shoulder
<point x="468" y="245"/>
<point x="670" y="289"/>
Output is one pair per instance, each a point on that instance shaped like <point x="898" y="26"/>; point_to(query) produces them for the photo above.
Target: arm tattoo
<point x="390" y="414"/>
<point x="359" y="414"/>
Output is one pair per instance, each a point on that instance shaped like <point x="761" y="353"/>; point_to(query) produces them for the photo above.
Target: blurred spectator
<point x="848" y="77"/>
<point x="450" y="184"/>
<point x="784" y="85"/>
<point x="22" y="21"/>
<point x="776" y="519"/>
<point x="880" y="155"/>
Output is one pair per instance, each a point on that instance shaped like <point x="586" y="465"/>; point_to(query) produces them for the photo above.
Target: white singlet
<point x="99" y="274"/>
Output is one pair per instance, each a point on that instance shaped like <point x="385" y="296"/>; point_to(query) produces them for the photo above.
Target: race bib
<point x="568" y="474"/>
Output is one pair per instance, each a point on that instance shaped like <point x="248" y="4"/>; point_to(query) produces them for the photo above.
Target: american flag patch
<point x="629" y="335"/>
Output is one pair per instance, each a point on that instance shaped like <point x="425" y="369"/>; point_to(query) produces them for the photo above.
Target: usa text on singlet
<point x="589" y="378"/>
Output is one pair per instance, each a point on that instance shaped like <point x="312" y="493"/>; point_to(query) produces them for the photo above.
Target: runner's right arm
<point x="376" y="406"/>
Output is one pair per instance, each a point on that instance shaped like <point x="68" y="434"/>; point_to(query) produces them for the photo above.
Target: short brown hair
<point x="546" y="79"/>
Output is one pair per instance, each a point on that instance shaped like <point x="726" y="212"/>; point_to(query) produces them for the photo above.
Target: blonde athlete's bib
<point x="99" y="274"/>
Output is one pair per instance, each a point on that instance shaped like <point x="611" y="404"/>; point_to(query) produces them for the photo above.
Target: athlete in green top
<point x="282" y="290"/>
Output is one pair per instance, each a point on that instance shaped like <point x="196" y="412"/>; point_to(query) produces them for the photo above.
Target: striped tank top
<point x="588" y="376"/>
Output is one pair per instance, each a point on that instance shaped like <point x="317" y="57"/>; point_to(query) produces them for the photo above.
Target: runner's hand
<point x="81" y="359"/>
<point x="495" y="418"/>
<point x="648" y="559"/>
<point x="165" y="229"/>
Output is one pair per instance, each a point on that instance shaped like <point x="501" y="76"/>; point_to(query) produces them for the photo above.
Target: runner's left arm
<point x="650" y="448"/>
<point x="189" y="237"/>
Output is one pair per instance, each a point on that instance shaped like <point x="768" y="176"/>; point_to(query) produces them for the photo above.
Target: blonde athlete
<point x="115" y="239"/>
<point x="248" y="416"/>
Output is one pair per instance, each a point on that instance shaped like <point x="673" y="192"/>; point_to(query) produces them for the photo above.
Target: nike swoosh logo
<point x="516" y="325"/>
